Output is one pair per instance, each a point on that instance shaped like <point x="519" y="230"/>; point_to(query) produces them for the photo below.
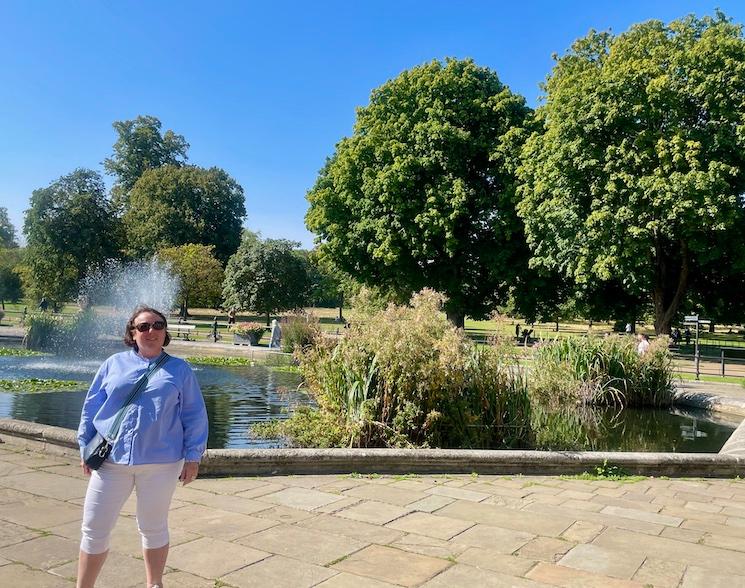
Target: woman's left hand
<point x="189" y="473"/>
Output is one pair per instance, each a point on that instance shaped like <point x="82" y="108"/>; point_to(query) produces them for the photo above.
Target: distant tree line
<point x="619" y="197"/>
<point x="187" y="216"/>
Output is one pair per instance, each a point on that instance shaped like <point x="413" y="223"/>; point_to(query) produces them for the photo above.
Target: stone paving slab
<point x="393" y="565"/>
<point x="20" y="575"/>
<point x="43" y="553"/>
<point x="463" y="575"/>
<point x="310" y="545"/>
<point x="429" y="546"/>
<point x="120" y="571"/>
<point x="278" y="572"/>
<point x="381" y="531"/>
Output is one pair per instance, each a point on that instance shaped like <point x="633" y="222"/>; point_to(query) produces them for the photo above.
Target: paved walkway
<point x="360" y="532"/>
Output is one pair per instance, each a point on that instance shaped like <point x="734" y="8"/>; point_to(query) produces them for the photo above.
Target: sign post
<point x="694" y="319"/>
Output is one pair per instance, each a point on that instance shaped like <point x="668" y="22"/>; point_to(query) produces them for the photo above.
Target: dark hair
<point x="128" y="339"/>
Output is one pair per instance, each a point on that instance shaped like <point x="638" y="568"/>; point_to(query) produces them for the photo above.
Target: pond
<point x="237" y="397"/>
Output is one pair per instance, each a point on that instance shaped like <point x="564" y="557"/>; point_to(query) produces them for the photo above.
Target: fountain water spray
<point x="119" y="287"/>
<point x="107" y="298"/>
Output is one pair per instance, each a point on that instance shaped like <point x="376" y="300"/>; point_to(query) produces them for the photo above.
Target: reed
<point x="602" y="371"/>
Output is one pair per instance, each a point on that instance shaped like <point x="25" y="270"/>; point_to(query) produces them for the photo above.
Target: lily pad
<point x="40" y="385"/>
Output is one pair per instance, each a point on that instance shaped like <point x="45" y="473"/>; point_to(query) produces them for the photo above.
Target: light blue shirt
<point x="165" y="423"/>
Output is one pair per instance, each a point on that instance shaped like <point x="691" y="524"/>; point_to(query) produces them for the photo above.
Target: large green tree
<point x="200" y="274"/>
<point x="329" y="286"/>
<point x="422" y="194"/>
<point x="11" y="285"/>
<point x="266" y="276"/>
<point x="70" y="229"/>
<point x="141" y="146"/>
<point x="7" y="230"/>
<point x="641" y="154"/>
<point x="175" y="205"/>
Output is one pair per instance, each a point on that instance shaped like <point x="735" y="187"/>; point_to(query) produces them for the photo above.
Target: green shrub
<point x="298" y="332"/>
<point x="306" y="427"/>
<point x="47" y="332"/>
<point x="602" y="371"/>
<point x="405" y="377"/>
<point x="43" y="332"/>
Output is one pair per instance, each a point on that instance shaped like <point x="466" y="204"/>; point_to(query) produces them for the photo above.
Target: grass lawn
<point x="712" y="378"/>
<point x="725" y="335"/>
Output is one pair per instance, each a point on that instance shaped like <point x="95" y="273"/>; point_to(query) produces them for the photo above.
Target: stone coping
<point x="709" y="401"/>
<point x="247" y="462"/>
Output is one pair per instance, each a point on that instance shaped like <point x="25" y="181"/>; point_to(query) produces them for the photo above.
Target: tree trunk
<point x="557" y="325"/>
<point x="341" y="307"/>
<point x="671" y="281"/>
<point x="712" y="327"/>
<point x="268" y="319"/>
<point x="457" y="318"/>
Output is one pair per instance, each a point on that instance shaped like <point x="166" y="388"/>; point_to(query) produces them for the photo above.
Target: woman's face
<point x="149" y="342"/>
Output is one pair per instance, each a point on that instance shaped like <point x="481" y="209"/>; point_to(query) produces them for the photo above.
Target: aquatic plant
<point x="602" y="371"/>
<point x="40" y="385"/>
<point x="17" y="352"/>
<point x="404" y="377"/>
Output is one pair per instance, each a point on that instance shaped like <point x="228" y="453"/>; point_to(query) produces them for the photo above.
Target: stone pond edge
<point x="255" y="462"/>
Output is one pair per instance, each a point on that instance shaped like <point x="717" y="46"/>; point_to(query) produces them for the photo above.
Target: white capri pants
<point x="108" y="490"/>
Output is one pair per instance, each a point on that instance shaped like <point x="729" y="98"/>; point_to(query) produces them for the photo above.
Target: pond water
<point x="237" y="397"/>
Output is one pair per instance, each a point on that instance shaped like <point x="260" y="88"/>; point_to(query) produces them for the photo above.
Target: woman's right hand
<point x="85" y="468"/>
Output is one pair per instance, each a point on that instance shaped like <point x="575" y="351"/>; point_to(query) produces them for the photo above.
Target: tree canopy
<point x="200" y="274"/>
<point x="640" y="156"/>
<point x="11" y="284"/>
<point x="7" y="230"/>
<point x="69" y="229"/>
<point x="173" y="205"/>
<point x="266" y="276"/>
<point x="422" y="194"/>
<point x="141" y="146"/>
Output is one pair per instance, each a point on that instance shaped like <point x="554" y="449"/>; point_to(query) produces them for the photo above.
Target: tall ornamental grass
<point x="602" y="371"/>
<point x="404" y="377"/>
<point x="298" y="332"/>
<point x="53" y="333"/>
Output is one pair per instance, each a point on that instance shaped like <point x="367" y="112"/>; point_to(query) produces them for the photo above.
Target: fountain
<point x="236" y="397"/>
<point x="106" y="298"/>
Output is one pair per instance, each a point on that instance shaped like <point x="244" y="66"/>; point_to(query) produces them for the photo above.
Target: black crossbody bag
<point x="98" y="449"/>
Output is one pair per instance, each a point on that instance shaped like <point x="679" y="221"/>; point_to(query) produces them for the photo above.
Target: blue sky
<point x="263" y="91"/>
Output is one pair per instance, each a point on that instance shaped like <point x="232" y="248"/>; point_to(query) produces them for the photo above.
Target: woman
<point x="161" y="439"/>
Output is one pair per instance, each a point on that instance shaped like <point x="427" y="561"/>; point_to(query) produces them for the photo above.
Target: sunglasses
<point x="145" y="327"/>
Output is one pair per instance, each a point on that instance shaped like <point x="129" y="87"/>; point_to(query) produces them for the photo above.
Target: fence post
<point x="722" y="362"/>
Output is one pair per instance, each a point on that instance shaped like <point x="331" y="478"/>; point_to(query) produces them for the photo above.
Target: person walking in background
<point x="160" y="440"/>
<point x="688" y="336"/>
<point x="643" y="345"/>
<point x="231" y="316"/>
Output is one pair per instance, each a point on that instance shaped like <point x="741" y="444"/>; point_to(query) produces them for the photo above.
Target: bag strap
<point x="141" y="383"/>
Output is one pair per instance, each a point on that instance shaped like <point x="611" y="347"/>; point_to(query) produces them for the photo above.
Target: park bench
<point x="181" y="330"/>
